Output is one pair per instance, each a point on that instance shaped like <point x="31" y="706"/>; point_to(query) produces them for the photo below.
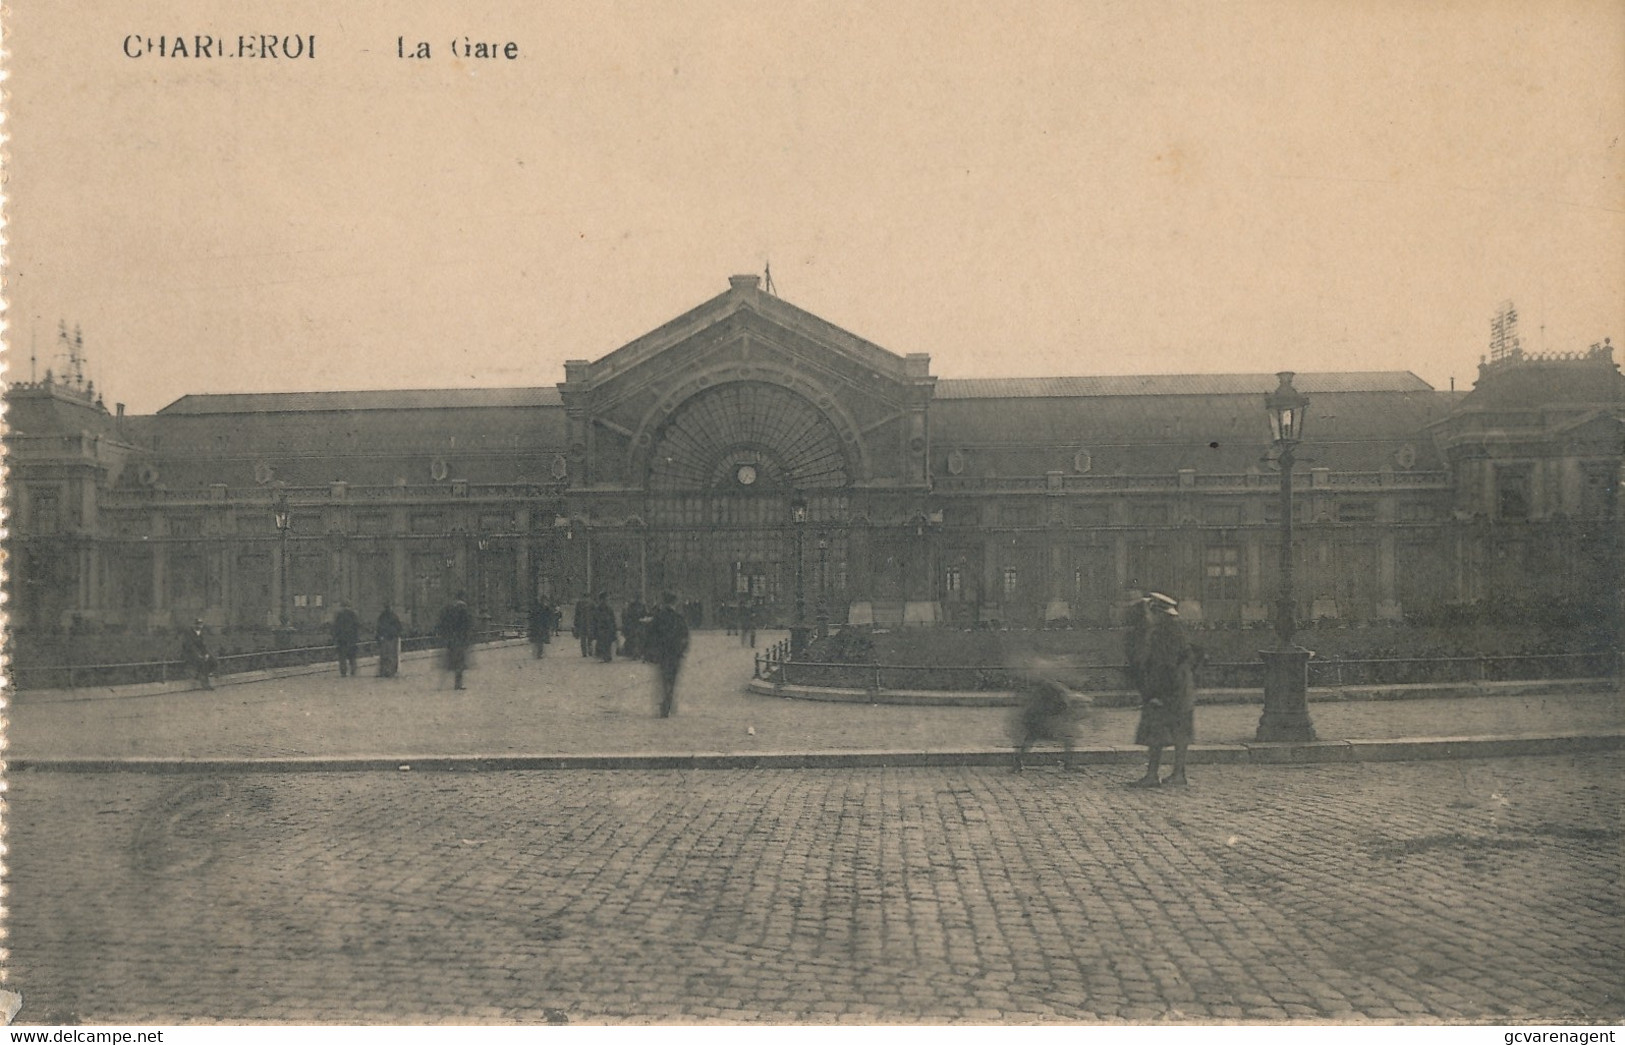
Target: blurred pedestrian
<point x="632" y="624"/>
<point x="582" y="625"/>
<point x="196" y="656"/>
<point x="1163" y="664"/>
<point x="388" y="633"/>
<point x="539" y="624"/>
<point x="1049" y="712"/>
<point x="668" y="644"/>
<point x="604" y="630"/>
<point x="456" y="630"/>
<point x="747" y="623"/>
<point x="346" y="637"/>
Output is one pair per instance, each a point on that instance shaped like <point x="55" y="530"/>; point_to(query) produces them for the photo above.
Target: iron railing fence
<point x="80" y="676"/>
<point x="775" y="665"/>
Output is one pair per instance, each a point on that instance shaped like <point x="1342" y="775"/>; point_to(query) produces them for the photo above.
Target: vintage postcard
<point x="849" y="513"/>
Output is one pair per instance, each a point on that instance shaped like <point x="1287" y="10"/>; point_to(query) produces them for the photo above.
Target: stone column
<point x="1388" y="607"/>
<point x="273" y="616"/>
<point x="160" y="586"/>
<point x="397" y="574"/>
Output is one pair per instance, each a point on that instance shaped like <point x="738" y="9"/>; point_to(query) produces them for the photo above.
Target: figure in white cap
<point x="1163" y="665"/>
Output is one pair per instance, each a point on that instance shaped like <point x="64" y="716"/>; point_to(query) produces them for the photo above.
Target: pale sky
<point x="1016" y="189"/>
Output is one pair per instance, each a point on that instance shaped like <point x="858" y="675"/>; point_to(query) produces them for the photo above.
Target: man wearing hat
<point x="196" y="656"/>
<point x="1163" y="664"/>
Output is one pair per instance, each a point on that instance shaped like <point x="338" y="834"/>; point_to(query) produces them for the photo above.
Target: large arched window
<point x="747" y="437"/>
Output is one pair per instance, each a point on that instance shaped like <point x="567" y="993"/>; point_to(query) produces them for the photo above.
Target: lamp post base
<point x="1286" y="697"/>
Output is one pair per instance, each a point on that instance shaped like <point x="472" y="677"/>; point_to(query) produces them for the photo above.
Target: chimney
<point x="120" y="410"/>
<point x="744" y="282"/>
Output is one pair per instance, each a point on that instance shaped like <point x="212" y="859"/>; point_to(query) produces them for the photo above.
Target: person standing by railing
<point x="388" y="633"/>
<point x="196" y="656"/>
<point x="347" y="638"/>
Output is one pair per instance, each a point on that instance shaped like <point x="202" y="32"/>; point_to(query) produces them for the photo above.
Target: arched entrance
<point x="722" y="475"/>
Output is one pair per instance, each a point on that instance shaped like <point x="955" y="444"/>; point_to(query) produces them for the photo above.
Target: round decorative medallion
<point x="1082" y="462"/>
<point x="1406" y="457"/>
<point x="956" y="462"/>
<point x="746" y="474"/>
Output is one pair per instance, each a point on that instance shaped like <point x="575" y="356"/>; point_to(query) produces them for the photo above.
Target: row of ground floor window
<point x="1015" y="577"/>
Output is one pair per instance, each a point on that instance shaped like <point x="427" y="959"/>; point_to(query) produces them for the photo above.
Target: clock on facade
<point x="746" y="474"/>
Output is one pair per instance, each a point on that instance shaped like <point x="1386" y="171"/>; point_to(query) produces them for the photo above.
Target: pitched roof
<point x="1174" y="384"/>
<point x="382" y="399"/>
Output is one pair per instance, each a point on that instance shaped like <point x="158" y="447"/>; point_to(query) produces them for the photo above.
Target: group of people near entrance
<point x="658" y="635"/>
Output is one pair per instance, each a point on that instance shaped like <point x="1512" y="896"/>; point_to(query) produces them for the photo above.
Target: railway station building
<point x="748" y="441"/>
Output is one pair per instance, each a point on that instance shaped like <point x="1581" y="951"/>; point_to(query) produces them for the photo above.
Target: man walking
<point x="747" y="623"/>
<point x="456" y="630"/>
<point x="346" y="636"/>
<point x="1163" y="664"/>
<point x="667" y="642"/>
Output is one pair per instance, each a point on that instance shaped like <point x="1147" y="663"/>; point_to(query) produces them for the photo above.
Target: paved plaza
<point x="565" y="704"/>
<point x="1473" y="890"/>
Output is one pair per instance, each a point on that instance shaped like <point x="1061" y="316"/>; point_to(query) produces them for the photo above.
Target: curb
<point x="1204" y="697"/>
<point x="1316" y="752"/>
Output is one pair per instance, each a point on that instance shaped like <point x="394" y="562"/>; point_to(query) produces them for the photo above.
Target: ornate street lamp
<point x="284" y="522"/>
<point x="798" y="522"/>
<point x="1286" y="665"/>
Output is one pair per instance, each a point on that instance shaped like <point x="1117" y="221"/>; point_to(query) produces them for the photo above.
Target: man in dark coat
<point x="346" y="636"/>
<point x="747" y="623"/>
<point x="388" y="633"/>
<point x="196" y="656"/>
<point x="584" y="624"/>
<point x="667" y="641"/>
<point x="1163" y="664"/>
<point x="604" y="628"/>
<point x="456" y="630"/>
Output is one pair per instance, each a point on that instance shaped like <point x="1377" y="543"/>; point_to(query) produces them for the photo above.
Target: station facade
<point x="684" y="459"/>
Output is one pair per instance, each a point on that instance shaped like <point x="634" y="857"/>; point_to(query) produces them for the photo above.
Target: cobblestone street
<point x="1415" y="892"/>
